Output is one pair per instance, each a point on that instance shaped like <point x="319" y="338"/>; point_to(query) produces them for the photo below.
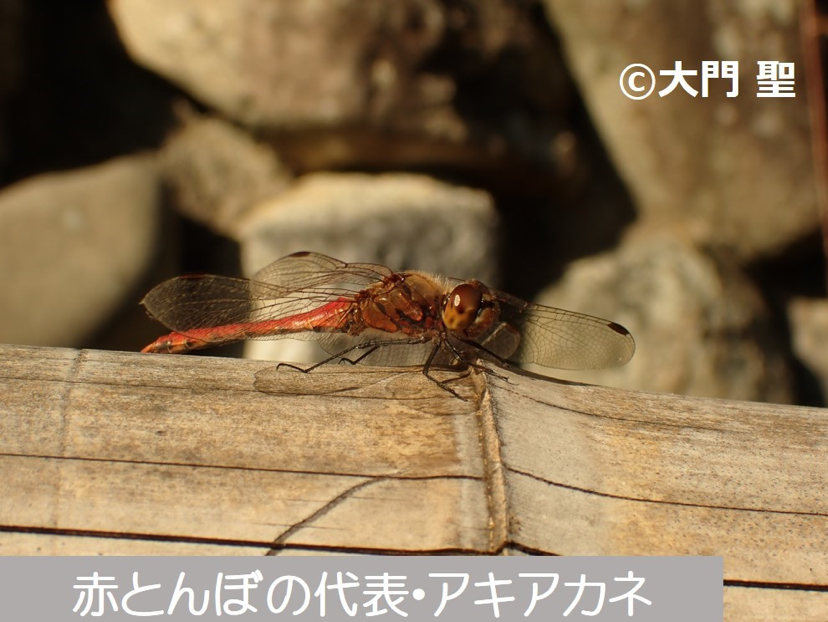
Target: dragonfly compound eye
<point x="462" y="306"/>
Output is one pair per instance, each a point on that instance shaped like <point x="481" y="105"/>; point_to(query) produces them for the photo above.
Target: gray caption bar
<point x="362" y="588"/>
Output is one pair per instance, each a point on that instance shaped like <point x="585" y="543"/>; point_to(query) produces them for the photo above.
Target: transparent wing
<point x="290" y="286"/>
<point x="382" y="349"/>
<point x="188" y="302"/>
<point x="308" y="271"/>
<point x="531" y="333"/>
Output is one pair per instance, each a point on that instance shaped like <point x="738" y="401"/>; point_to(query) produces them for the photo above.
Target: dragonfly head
<point x="468" y="309"/>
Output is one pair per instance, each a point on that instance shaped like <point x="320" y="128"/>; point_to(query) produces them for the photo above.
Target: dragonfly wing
<point x="303" y="282"/>
<point x="502" y="341"/>
<point x="204" y="301"/>
<point x="307" y="272"/>
<point x="184" y="303"/>
<point x="384" y="349"/>
<point x="289" y="287"/>
<point x="557" y="338"/>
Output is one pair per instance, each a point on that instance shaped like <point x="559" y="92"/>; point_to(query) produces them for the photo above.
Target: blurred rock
<point x="700" y="326"/>
<point x="367" y="82"/>
<point x="739" y="171"/>
<point x="399" y="220"/>
<point x="217" y="171"/>
<point x="808" y="318"/>
<point x="73" y="247"/>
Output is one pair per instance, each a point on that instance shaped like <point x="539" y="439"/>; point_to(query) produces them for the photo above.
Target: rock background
<point x="142" y="139"/>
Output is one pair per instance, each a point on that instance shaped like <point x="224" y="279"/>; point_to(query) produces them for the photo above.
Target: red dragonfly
<point x="385" y="317"/>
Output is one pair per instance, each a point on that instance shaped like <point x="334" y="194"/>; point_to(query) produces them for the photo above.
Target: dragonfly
<point x="381" y="317"/>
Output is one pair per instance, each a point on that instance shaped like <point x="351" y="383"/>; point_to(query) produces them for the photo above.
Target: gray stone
<point x="73" y="247"/>
<point x="808" y="318"/>
<point x="360" y="83"/>
<point x="217" y="171"/>
<point x="701" y="327"/>
<point x="738" y="171"/>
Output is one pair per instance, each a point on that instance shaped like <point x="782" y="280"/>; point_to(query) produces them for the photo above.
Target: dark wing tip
<point x="627" y="356"/>
<point x="618" y="328"/>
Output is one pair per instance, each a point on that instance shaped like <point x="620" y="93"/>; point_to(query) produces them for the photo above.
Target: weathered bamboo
<point x="120" y="453"/>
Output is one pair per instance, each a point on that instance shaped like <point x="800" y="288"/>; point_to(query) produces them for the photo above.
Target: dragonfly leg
<point x="306" y="370"/>
<point x="499" y="359"/>
<point x="491" y="372"/>
<point x="345" y="359"/>
<point x="371" y="346"/>
<point x="440" y="383"/>
<point x="292" y="366"/>
<point x="460" y="376"/>
<point x="474" y="364"/>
